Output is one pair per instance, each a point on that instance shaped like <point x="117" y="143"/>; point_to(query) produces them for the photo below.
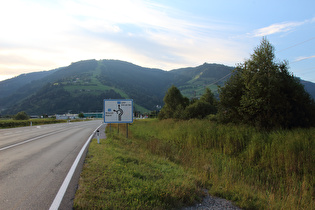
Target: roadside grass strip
<point x="120" y="174"/>
<point x="254" y="169"/>
<point x="166" y="164"/>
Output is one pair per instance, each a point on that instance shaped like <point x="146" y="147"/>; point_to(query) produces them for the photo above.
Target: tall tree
<point x="208" y="97"/>
<point x="203" y="107"/>
<point x="262" y="92"/>
<point x="174" y="104"/>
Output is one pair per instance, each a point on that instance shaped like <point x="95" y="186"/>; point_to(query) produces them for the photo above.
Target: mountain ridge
<point x="83" y="85"/>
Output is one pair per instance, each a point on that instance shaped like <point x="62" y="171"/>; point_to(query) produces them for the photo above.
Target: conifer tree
<point x="262" y="92"/>
<point x="174" y="104"/>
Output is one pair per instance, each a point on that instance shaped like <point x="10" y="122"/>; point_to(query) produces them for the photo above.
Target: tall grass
<point x="257" y="170"/>
<point x="121" y="174"/>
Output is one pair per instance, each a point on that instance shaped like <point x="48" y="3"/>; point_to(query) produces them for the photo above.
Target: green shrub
<point x="21" y="116"/>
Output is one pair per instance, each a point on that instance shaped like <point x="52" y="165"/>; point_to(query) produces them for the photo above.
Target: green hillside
<point x="76" y="88"/>
<point x="201" y="77"/>
<point x="82" y="86"/>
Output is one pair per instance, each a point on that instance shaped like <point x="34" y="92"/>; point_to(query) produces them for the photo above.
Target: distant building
<point x="66" y="116"/>
<point x="93" y="115"/>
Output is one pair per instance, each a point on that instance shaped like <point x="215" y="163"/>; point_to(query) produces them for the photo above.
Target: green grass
<point x="120" y="174"/>
<point x="255" y="170"/>
<point x="197" y="89"/>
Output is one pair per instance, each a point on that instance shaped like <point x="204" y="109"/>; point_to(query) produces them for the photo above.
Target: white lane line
<point x="56" y="203"/>
<point x="24" y="142"/>
<point x="29" y="140"/>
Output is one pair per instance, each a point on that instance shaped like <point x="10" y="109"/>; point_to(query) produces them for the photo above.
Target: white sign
<point x="118" y="111"/>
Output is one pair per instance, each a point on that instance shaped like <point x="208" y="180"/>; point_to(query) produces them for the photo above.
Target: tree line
<point x="261" y="92"/>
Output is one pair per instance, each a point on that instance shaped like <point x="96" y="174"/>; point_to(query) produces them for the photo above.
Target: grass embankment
<point x="256" y="170"/>
<point x="22" y="123"/>
<point x="121" y="174"/>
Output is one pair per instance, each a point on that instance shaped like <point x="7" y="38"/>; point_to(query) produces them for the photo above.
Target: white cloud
<point x="303" y="58"/>
<point x="46" y="36"/>
<point x="277" y="28"/>
<point x="280" y="27"/>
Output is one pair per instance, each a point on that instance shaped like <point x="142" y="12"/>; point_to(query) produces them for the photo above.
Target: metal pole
<point x="98" y="136"/>
<point x="127" y="130"/>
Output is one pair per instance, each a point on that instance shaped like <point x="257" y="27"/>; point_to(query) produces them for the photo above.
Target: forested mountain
<point x="206" y="75"/>
<point x="83" y="85"/>
<point x="10" y="86"/>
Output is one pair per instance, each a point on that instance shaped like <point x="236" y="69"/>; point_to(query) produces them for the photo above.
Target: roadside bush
<point x="179" y="107"/>
<point x="21" y="116"/>
<point x="199" y="110"/>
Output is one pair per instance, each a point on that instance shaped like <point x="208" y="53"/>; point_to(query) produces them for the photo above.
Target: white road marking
<point x="56" y="203"/>
<point x="24" y="142"/>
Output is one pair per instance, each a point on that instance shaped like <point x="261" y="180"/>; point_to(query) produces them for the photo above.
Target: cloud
<point x="53" y="34"/>
<point x="303" y="58"/>
<point x="280" y="27"/>
<point x="276" y="28"/>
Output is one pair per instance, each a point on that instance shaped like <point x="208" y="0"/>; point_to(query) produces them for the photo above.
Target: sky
<point x="40" y="35"/>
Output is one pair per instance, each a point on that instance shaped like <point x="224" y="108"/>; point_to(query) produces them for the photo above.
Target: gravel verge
<point x="213" y="203"/>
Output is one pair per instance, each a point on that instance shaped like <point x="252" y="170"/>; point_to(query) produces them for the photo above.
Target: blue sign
<point x="118" y="111"/>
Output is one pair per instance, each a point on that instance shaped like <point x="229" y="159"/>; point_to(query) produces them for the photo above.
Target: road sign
<point x="118" y="111"/>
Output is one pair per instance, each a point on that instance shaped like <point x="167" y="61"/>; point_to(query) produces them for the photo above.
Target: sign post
<point x="98" y="136"/>
<point x="118" y="111"/>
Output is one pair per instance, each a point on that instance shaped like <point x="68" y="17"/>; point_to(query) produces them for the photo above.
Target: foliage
<point x="197" y="78"/>
<point x="21" y="116"/>
<point x="256" y="170"/>
<point x="81" y="115"/>
<point x="178" y="107"/>
<point x="263" y="93"/>
<point x="175" y="104"/>
<point x="198" y="109"/>
<point x="22" y="123"/>
<point x="208" y="97"/>
<point x="64" y="101"/>
<point x="120" y="174"/>
<point x="10" y="86"/>
<point x="87" y="81"/>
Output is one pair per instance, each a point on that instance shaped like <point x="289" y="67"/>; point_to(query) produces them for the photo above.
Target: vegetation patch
<point x="254" y="169"/>
<point x="21" y="123"/>
<point x="165" y="163"/>
<point x="121" y="174"/>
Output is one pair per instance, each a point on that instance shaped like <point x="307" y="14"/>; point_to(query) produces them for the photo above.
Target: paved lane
<point x="32" y="173"/>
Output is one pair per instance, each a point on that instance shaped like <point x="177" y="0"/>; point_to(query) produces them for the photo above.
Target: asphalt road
<point x="34" y="162"/>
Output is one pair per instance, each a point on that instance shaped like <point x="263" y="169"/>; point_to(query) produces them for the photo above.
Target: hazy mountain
<point x="83" y="85"/>
<point x="10" y="86"/>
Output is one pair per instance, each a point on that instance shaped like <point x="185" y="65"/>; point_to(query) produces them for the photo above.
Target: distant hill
<point x="309" y="87"/>
<point x="9" y="86"/>
<point x="200" y="77"/>
<point x="82" y="86"/>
